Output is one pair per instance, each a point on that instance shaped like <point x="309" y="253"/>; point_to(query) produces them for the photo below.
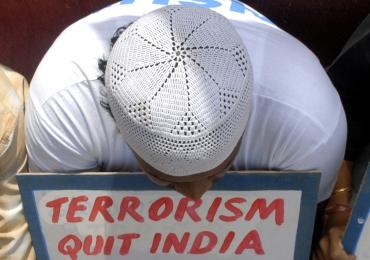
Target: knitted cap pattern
<point x="179" y="82"/>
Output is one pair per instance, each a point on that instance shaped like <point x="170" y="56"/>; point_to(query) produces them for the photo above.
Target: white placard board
<point x="109" y="216"/>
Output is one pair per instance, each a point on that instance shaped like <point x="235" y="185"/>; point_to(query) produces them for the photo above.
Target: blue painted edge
<point x="308" y="183"/>
<point x="32" y="216"/>
<point x="360" y="210"/>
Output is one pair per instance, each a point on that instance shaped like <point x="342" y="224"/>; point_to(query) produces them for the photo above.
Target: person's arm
<point x="59" y="135"/>
<point x="338" y="208"/>
<point x="336" y="216"/>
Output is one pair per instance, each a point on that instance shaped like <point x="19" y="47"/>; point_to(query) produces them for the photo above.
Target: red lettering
<point x="213" y="209"/>
<point x="97" y="248"/>
<point x="108" y="245"/>
<point x="229" y="205"/>
<point x="226" y="244"/>
<point x="251" y="241"/>
<point x="156" y="206"/>
<point x="173" y="241"/>
<point x="129" y="205"/>
<point x="70" y="245"/>
<point x="189" y="209"/>
<point x="260" y="205"/>
<point x="126" y="242"/>
<point x="155" y="244"/>
<point x="197" y="244"/>
<point x="101" y="205"/>
<point x="56" y="205"/>
<point x="76" y="206"/>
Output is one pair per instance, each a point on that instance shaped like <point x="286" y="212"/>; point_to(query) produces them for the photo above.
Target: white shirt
<point x="297" y="121"/>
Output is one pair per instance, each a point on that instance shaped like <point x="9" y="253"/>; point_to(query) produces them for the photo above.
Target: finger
<point x="317" y="255"/>
<point x="324" y="248"/>
<point x="336" y="247"/>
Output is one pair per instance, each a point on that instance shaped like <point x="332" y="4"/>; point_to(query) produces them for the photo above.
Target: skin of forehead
<point x="190" y="178"/>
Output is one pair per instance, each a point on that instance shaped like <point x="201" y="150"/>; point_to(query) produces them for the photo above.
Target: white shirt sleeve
<point x="280" y="137"/>
<point x="326" y="157"/>
<point x="58" y="136"/>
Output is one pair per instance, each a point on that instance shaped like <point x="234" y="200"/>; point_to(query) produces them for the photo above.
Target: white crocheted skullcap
<point x="179" y="84"/>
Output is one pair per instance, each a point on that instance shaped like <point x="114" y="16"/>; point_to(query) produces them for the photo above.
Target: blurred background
<point x="29" y="27"/>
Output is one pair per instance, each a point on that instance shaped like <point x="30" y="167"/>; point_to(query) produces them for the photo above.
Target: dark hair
<point x="102" y="64"/>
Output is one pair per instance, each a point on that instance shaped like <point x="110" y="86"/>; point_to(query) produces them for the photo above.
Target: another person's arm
<point x="336" y="216"/>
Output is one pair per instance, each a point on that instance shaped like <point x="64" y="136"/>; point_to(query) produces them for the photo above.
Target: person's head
<point x="179" y="82"/>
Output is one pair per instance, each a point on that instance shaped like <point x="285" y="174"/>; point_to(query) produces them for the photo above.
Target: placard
<point x="356" y="239"/>
<point x="260" y="216"/>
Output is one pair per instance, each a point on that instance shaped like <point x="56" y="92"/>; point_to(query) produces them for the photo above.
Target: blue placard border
<point x="360" y="210"/>
<point x="307" y="182"/>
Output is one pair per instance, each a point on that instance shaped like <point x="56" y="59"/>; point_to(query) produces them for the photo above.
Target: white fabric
<point x="178" y="84"/>
<point x="296" y="122"/>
